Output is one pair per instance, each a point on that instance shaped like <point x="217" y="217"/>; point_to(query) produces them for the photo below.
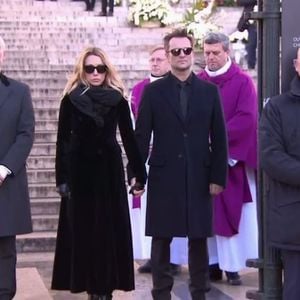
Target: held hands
<point x="63" y="190"/>
<point x="215" y="189"/>
<point x="136" y="188"/>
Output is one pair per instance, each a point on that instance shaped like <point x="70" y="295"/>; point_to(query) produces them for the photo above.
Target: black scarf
<point x="94" y="101"/>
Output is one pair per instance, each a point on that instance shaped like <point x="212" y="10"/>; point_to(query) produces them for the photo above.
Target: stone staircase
<point x="43" y="40"/>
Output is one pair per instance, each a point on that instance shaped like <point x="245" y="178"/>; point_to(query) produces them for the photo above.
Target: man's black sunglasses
<point x="177" y="51"/>
<point x="89" y="69"/>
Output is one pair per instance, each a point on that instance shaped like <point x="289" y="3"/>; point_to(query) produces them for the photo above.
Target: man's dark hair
<point x="178" y="33"/>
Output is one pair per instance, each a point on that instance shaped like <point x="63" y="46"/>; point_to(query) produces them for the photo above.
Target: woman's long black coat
<point x="94" y="246"/>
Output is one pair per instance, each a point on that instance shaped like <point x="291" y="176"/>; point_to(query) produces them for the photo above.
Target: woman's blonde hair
<point x="112" y="79"/>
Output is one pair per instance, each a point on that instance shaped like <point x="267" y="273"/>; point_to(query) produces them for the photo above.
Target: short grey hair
<point x="216" y="38"/>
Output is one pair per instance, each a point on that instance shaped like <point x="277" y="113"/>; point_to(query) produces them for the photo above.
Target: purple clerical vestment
<point x="240" y="109"/>
<point x="136" y="96"/>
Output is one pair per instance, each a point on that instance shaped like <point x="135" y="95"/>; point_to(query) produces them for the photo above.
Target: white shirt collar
<point x="154" y="78"/>
<point x="221" y="71"/>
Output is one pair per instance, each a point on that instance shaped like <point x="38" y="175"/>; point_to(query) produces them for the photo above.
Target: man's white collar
<point x="221" y="71"/>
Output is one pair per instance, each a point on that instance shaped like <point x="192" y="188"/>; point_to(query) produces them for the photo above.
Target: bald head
<point x="2" y="48"/>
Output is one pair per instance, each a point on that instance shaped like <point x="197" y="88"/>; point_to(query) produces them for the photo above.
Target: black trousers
<point x="8" y="259"/>
<point x="90" y="4"/>
<point x="251" y="46"/>
<point x="161" y="275"/>
<point x="291" y="271"/>
<point x="110" y="4"/>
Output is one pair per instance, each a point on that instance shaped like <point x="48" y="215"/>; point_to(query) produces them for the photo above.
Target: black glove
<point x="136" y="187"/>
<point x="63" y="190"/>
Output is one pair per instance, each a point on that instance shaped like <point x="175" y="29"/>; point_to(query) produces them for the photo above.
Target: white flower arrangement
<point x="148" y="10"/>
<point x="197" y="21"/>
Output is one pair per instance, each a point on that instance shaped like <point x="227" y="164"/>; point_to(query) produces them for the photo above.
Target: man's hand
<point x="215" y="189"/>
<point x="1" y="180"/>
<point x="63" y="190"/>
<point x="136" y="189"/>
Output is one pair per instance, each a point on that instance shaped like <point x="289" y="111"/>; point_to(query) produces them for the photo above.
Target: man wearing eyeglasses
<point x="159" y="68"/>
<point x="188" y="164"/>
<point x="16" y="135"/>
<point x="235" y="219"/>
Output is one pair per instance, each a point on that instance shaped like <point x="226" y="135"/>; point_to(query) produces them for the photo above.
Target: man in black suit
<point x="188" y="164"/>
<point x="16" y="132"/>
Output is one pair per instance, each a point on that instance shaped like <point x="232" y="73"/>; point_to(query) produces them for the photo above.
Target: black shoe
<point x="102" y="14"/>
<point x="146" y="267"/>
<point x="110" y="14"/>
<point x="175" y="269"/>
<point x="215" y="273"/>
<point x="233" y="278"/>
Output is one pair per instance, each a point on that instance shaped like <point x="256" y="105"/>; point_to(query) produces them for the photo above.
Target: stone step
<point x="113" y="53"/>
<point x="36" y="242"/>
<point x="40" y="162"/>
<point x="44" y="222"/>
<point x="41" y="176"/>
<point x="43" y="149"/>
<point x="61" y="21"/>
<point x="60" y="35"/>
<point x="51" y="92"/>
<point x="45" y="104"/>
<point x="28" y="259"/>
<point x="46" y="124"/>
<point x="47" y="113"/>
<point x="45" y="206"/>
<point x="60" y="43"/>
<point x="45" y="137"/>
<point x="44" y="190"/>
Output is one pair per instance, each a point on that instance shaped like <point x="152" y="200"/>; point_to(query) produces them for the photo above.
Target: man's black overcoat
<point x="186" y="156"/>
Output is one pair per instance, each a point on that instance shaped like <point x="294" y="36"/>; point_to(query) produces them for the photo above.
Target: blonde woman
<point x="94" y="246"/>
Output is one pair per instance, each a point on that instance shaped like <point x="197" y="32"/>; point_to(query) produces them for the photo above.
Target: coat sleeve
<point x="143" y="126"/>
<point x="274" y="159"/>
<point x="17" y="154"/>
<point x="136" y="166"/>
<point x="63" y="142"/>
<point x="243" y="124"/>
<point x="218" y="139"/>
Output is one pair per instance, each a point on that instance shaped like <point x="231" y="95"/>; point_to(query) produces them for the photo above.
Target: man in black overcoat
<point x="16" y="138"/>
<point x="188" y="164"/>
<point x="280" y="159"/>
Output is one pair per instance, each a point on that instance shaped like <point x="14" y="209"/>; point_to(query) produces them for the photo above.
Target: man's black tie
<point x="183" y="99"/>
